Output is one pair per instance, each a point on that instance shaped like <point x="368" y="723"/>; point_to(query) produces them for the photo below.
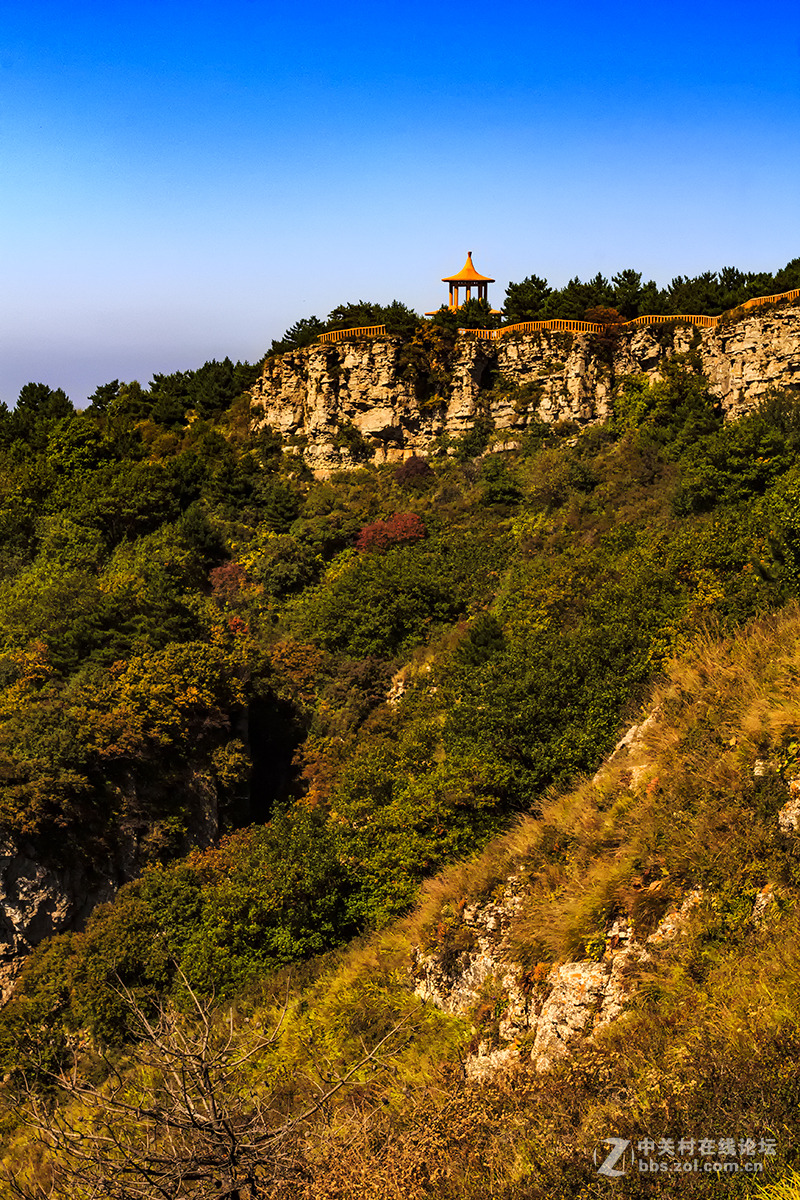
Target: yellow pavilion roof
<point x="467" y="274"/>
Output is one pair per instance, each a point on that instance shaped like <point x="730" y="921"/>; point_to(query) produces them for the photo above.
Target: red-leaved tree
<point x="380" y="535"/>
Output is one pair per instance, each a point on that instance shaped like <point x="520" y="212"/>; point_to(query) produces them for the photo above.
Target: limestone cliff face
<point x="310" y="396"/>
<point x="743" y="359"/>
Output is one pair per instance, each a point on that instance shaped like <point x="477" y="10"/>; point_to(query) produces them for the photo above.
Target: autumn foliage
<point x="381" y="535"/>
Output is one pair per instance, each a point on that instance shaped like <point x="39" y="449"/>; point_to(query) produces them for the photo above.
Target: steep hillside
<point x="389" y="664"/>
<point x="625" y="965"/>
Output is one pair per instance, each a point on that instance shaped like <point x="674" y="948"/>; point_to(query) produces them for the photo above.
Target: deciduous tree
<point x="188" y="1117"/>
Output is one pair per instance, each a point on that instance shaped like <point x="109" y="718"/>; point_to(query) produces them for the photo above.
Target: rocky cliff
<point x="38" y="899"/>
<point x="48" y="888"/>
<point x="540" y="1017"/>
<point x="404" y="398"/>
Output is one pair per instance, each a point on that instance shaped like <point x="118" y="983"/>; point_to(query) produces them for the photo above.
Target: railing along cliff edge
<point x="337" y="335"/>
<point x="560" y="324"/>
<point x="660" y="319"/>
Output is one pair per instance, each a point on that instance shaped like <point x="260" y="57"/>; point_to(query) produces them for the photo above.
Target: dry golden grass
<point x="726" y="704"/>
<point x="787" y="1188"/>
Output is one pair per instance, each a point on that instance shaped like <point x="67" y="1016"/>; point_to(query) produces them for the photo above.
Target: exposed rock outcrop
<point x="36" y="901"/>
<point x="310" y="396"/>
<point x="631" y="750"/>
<point x="789" y="815"/>
<point x="540" y="1016"/>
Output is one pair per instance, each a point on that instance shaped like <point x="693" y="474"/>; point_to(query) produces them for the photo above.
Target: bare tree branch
<point x="184" y="1123"/>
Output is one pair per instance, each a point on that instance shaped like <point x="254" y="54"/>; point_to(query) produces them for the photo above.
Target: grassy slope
<point x="710" y="1041"/>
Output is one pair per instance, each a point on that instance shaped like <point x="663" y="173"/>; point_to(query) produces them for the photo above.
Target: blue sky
<point x="181" y="181"/>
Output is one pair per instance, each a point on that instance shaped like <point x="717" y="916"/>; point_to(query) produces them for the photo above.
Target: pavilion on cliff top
<point x="467" y="278"/>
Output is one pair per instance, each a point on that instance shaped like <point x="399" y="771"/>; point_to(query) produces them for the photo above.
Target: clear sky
<point x="183" y="180"/>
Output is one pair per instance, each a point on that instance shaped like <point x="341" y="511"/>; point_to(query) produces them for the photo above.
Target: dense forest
<point x="279" y="704"/>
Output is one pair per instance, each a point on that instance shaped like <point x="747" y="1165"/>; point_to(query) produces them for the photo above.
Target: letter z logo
<point x="608" y="1166"/>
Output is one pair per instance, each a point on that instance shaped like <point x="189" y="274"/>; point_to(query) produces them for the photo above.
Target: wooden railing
<point x="754" y="303"/>
<point x="338" y="335"/>
<point x="559" y="324"/>
<point x="660" y="319"/>
<point x="703" y="322"/>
